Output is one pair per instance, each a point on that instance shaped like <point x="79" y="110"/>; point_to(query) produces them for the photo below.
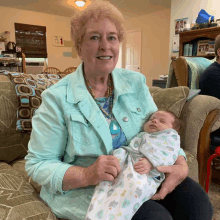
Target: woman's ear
<point x="79" y="51"/>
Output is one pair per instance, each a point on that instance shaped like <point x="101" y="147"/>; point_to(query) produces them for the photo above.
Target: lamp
<point x="80" y="3"/>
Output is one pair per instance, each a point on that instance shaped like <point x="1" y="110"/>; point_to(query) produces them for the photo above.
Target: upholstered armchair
<point x="19" y="194"/>
<point x="185" y="71"/>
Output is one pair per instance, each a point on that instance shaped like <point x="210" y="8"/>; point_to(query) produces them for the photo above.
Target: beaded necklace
<point x="109" y="94"/>
<point x="114" y="126"/>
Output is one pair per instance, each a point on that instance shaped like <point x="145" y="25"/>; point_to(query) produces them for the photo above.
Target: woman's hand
<point x="143" y="166"/>
<point x="106" y="167"/>
<point x="175" y="174"/>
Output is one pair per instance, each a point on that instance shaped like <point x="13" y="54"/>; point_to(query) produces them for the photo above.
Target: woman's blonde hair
<point x="96" y="10"/>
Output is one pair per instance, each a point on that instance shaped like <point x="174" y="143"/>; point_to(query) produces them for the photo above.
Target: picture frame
<point x="180" y="24"/>
<point x="203" y="47"/>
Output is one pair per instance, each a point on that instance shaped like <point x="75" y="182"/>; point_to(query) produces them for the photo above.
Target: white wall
<point x="190" y="9"/>
<point x="155" y="28"/>
<point x="55" y="26"/>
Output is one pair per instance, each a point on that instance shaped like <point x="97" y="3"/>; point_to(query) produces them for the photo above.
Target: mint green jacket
<point x="69" y="129"/>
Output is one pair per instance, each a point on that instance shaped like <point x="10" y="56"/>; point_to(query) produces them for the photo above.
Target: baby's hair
<point x="177" y="122"/>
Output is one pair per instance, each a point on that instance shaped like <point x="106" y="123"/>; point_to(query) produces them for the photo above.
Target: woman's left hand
<point x="175" y="174"/>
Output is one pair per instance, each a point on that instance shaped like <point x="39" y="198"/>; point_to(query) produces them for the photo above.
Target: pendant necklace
<point x="114" y="126"/>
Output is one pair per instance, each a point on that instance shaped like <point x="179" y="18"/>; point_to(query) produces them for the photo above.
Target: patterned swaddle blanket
<point x="122" y="198"/>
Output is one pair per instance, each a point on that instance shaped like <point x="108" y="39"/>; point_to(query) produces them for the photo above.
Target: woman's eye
<point x="94" y="38"/>
<point x="112" y="38"/>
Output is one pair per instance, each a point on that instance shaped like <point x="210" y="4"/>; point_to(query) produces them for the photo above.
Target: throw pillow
<point x="28" y="88"/>
<point x="172" y="99"/>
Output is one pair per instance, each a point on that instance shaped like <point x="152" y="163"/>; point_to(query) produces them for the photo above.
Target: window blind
<point x="31" y="39"/>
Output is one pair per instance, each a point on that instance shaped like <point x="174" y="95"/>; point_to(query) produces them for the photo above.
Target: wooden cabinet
<point x="199" y="34"/>
<point x="159" y="83"/>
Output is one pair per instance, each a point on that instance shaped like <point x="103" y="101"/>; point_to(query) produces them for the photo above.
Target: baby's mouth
<point x="153" y="126"/>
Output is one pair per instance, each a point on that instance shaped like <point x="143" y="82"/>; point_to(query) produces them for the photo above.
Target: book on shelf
<point x="211" y="47"/>
<point x="190" y="50"/>
<point x="194" y="49"/>
<point x="187" y="50"/>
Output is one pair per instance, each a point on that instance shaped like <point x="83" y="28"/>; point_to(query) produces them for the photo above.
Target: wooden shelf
<point x="205" y="33"/>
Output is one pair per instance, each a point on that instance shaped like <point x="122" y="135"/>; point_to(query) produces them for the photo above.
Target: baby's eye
<point x="162" y="121"/>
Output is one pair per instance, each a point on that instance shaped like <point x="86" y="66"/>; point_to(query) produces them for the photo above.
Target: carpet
<point x="214" y="195"/>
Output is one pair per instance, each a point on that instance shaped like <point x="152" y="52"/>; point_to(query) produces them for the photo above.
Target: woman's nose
<point x="104" y="44"/>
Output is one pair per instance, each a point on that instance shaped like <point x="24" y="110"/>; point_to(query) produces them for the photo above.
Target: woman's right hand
<point x="106" y="167"/>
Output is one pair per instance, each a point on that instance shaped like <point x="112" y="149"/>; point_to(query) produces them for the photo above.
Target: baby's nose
<point x="155" y="120"/>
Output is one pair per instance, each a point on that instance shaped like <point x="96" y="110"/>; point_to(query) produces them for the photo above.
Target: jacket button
<point x="125" y="119"/>
<point x="138" y="109"/>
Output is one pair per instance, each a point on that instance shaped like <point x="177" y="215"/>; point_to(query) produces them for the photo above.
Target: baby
<point x="159" y="121"/>
<point x="139" y="179"/>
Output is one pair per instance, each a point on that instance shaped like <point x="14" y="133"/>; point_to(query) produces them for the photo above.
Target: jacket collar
<point x="77" y="91"/>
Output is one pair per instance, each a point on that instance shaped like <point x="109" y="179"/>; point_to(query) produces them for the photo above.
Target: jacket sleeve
<point x="47" y="144"/>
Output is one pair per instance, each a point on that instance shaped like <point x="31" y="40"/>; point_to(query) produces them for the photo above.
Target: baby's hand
<point x="143" y="166"/>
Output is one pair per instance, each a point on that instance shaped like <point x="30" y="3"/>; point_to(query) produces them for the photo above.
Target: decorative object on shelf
<point x="58" y="41"/>
<point x="204" y="20"/>
<point x="163" y="77"/>
<point x="204" y="17"/>
<point x="11" y="46"/>
<point x="6" y="36"/>
<point x="2" y="39"/>
<point x="203" y="47"/>
<point x="180" y="25"/>
<point x="2" y="47"/>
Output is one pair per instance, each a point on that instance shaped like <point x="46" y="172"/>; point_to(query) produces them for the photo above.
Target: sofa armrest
<point x="193" y="115"/>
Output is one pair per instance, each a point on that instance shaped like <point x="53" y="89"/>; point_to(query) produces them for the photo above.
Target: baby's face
<point x="160" y="120"/>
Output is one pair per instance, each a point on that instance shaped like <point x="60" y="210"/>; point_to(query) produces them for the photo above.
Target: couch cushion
<point x="19" y="165"/>
<point x="172" y="99"/>
<point x="13" y="144"/>
<point x="18" y="199"/>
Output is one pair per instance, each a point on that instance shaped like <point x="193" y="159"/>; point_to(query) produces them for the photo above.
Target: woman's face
<point x="100" y="48"/>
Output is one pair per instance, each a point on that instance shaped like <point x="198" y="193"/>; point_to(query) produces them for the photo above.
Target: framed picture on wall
<point x="180" y="24"/>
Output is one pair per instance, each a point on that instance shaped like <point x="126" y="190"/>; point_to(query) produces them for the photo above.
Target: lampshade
<point x="80" y="3"/>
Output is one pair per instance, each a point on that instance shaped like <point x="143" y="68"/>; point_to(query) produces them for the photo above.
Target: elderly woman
<point x="91" y="112"/>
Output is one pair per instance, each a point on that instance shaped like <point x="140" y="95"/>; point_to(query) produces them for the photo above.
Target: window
<point x="32" y="40"/>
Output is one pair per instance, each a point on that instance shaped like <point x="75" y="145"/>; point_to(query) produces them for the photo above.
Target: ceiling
<point x="129" y="8"/>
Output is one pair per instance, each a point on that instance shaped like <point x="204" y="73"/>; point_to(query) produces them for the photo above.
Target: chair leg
<point x="217" y="153"/>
